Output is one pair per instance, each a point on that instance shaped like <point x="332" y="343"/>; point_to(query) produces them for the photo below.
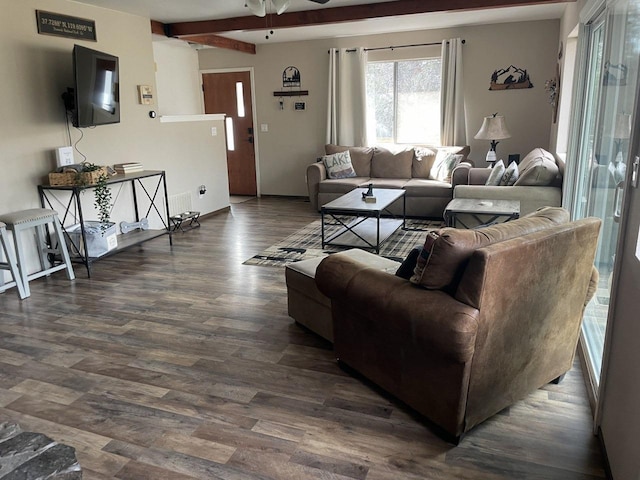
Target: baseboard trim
<point x="204" y="216"/>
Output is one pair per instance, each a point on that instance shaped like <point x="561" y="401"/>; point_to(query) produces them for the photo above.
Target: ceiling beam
<point x="221" y="42"/>
<point x="209" y="39"/>
<point x="343" y="14"/>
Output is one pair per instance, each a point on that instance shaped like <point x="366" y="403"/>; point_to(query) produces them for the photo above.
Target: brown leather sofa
<point x="489" y="316"/>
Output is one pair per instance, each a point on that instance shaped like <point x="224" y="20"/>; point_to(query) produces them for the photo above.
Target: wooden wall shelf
<point x="291" y="93"/>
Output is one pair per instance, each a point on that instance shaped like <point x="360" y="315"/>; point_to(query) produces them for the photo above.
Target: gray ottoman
<point x="307" y="306"/>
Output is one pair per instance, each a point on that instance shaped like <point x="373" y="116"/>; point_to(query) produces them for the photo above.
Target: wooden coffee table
<point x="484" y="212"/>
<point x="365" y="227"/>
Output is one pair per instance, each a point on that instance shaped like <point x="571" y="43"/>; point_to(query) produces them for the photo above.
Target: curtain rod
<point x="402" y="46"/>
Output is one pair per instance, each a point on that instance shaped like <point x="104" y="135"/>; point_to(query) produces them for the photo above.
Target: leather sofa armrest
<point x="430" y="318"/>
<point x="316" y="172"/>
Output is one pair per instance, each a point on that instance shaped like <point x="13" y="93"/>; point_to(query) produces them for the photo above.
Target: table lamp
<point x="493" y="128"/>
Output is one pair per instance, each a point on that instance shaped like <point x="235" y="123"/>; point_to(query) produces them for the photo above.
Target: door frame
<point x="623" y="238"/>
<point x="256" y="155"/>
<point x="591" y="15"/>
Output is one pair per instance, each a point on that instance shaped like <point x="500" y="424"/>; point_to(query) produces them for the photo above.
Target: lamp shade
<point x="623" y="126"/>
<point x="493" y="128"/>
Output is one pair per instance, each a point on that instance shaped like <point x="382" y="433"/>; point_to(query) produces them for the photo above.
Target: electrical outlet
<point x="214" y="131"/>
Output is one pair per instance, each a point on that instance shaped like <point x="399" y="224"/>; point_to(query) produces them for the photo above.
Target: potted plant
<point x="101" y="193"/>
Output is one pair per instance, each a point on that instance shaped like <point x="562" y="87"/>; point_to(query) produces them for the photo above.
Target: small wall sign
<point x="299" y="106"/>
<point x="65" y="26"/>
<point x="291" y="77"/>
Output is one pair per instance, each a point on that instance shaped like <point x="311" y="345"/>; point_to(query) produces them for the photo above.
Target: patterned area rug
<point x="306" y="243"/>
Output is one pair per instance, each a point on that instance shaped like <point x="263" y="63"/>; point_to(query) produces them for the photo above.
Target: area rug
<point x="306" y="243"/>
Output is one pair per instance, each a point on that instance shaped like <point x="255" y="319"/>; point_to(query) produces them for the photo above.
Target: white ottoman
<point x="306" y="305"/>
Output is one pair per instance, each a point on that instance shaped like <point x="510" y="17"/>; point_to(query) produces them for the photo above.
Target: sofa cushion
<point x="446" y="252"/>
<point x="497" y="172"/>
<point x="360" y="157"/>
<point x="341" y="185"/>
<point x="388" y="164"/>
<point x="423" y="159"/>
<point x="538" y="168"/>
<point x="338" y="165"/>
<point x="385" y="183"/>
<point x="510" y="175"/>
<point x="422" y="187"/>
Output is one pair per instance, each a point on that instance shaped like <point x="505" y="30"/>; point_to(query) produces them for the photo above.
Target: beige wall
<point x="177" y="78"/>
<point x="295" y="138"/>
<point x="38" y="68"/>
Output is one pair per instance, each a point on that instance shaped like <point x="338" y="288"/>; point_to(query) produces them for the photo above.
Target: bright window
<point x="403" y="101"/>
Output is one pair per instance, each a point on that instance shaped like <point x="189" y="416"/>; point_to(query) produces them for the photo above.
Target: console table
<point x="155" y="191"/>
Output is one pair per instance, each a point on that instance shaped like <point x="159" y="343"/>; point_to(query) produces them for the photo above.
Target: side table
<point x="475" y="213"/>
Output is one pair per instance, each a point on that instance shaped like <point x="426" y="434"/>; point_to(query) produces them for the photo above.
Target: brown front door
<point x="230" y="93"/>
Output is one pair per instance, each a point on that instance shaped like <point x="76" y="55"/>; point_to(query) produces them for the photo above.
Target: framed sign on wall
<point x="59" y="25"/>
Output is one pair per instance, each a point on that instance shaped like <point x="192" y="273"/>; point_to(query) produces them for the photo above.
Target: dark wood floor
<point x="179" y="363"/>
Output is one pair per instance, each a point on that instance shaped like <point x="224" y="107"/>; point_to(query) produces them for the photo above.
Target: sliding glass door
<point x="611" y="50"/>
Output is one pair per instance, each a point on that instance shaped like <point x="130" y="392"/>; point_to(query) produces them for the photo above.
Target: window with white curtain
<point x="403" y="101"/>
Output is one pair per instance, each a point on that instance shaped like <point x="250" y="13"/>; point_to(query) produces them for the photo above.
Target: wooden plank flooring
<point x="181" y="363"/>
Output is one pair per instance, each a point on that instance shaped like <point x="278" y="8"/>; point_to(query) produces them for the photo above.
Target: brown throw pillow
<point x="446" y="252"/>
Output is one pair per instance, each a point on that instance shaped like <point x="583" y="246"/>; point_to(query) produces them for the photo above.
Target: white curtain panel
<point x="347" y="99"/>
<point x="452" y="111"/>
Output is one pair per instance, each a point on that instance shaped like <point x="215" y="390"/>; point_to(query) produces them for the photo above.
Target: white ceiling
<point x="171" y="11"/>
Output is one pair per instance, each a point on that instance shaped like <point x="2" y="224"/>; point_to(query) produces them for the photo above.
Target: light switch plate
<point x="264" y="127"/>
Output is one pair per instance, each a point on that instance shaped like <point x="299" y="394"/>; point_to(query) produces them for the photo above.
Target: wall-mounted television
<point x="96" y="93"/>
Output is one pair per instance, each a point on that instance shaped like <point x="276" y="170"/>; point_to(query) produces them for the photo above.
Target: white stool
<point x="10" y="264"/>
<point x="18" y="222"/>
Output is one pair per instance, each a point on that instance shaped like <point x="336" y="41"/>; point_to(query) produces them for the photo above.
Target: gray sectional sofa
<point x="427" y="192"/>
<point x="539" y="183"/>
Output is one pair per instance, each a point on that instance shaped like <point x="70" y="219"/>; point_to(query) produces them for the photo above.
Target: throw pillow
<point x="443" y="165"/>
<point x="406" y="269"/>
<point x="339" y="165"/>
<point x="497" y="172"/>
<point x="511" y="174"/>
<point x="360" y="157"/>
<point x="538" y="168"/>
<point x="447" y="251"/>
<point x="391" y="164"/>
<point x="423" y="160"/>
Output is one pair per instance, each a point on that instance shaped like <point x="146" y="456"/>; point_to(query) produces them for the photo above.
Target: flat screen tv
<point x="97" y="88"/>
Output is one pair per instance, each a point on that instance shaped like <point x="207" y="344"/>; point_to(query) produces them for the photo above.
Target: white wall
<point x="177" y="78"/>
<point x="295" y="139"/>
<point x="38" y="68"/>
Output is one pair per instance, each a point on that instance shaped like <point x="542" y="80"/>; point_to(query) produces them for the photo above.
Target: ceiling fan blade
<point x="257" y="7"/>
<point x="320" y="1"/>
<point x="281" y="5"/>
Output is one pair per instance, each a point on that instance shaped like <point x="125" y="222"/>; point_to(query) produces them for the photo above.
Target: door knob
<point x="250" y="139"/>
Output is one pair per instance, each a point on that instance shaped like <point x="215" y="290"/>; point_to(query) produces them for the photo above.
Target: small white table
<point x="484" y="212"/>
